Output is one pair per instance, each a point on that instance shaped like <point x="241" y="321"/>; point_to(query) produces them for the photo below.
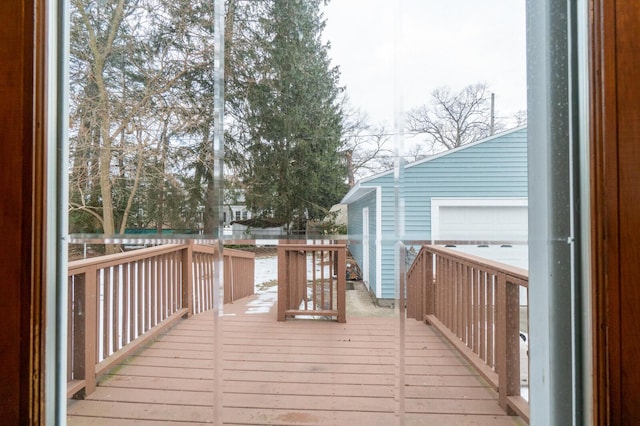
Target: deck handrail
<point x="474" y="303"/>
<point x="303" y="292"/>
<point x="119" y="302"/>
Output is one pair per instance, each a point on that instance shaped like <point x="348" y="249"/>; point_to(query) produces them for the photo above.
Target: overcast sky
<point x="442" y="43"/>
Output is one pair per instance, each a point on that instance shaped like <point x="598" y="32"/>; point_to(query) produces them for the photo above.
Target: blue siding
<point x="356" y="234"/>
<point x="388" y="270"/>
<point x="492" y="168"/>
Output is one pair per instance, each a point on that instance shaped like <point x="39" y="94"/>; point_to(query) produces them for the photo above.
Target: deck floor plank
<point x="292" y="373"/>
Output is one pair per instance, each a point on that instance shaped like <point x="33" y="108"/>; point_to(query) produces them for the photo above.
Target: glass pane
<point x="355" y="133"/>
<point x="145" y="208"/>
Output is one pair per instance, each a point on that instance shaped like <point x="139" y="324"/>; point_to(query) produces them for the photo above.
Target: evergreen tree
<point x="294" y="119"/>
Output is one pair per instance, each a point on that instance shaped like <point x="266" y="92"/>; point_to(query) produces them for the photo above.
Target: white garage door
<point x="481" y="223"/>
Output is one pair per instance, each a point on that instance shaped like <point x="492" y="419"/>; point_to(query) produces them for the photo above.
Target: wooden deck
<point x="292" y="373"/>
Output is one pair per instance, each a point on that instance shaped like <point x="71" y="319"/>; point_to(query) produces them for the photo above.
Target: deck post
<point x="342" y="283"/>
<point x="283" y="283"/>
<point x="429" y="291"/>
<point x="88" y="333"/>
<point x="507" y="345"/>
<point x="420" y="288"/>
<point x="187" y="278"/>
<point x="512" y="378"/>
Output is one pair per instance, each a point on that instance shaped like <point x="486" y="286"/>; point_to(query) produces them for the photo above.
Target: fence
<point x="117" y="303"/>
<point x="475" y="303"/>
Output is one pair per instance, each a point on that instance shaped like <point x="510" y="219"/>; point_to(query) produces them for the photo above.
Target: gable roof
<point x="366" y="185"/>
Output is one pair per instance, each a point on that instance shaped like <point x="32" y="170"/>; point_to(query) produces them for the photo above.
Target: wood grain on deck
<point x="292" y="373"/>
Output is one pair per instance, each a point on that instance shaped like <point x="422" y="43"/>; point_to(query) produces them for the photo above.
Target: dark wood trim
<point x="40" y="199"/>
<point x="22" y="207"/>
<point x="615" y="188"/>
<point x="599" y="129"/>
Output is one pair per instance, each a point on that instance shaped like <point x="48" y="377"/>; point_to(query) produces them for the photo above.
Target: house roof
<point x="358" y="191"/>
<point x="366" y="185"/>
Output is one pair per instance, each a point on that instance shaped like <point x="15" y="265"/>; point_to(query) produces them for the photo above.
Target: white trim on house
<point x="437" y="203"/>
<point x="358" y="191"/>
<point x="366" y="243"/>
<point x="378" y="242"/>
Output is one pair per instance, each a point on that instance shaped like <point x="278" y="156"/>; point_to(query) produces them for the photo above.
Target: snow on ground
<point x="266" y="273"/>
<point x="266" y="289"/>
<point x="266" y="270"/>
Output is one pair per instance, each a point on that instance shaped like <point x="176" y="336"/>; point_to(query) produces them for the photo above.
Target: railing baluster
<point x="188" y="287"/>
<point x="174" y="281"/>
<point x="475" y="311"/>
<point x="440" y="277"/>
<point x="72" y="319"/>
<point x="451" y="286"/>
<point x="445" y="291"/>
<point x="323" y="301"/>
<point x="458" y="303"/>
<point x="430" y="282"/>
<point x="106" y="316"/>
<point x="197" y="296"/>
<point x="197" y="279"/>
<point x="333" y="278"/>
<point x="148" y="295"/>
<point x="160" y="289"/>
<point x="153" y="262"/>
<point x="491" y="321"/>
<point x="451" y="292"/>
<point x="204" y="282"/>
<point x="210" y="281"/>
<point x="166" y="259"/>
<point x="342" y="284"/>
<point x="124" y="338"/>
<point x="483" y="316"/>
<point x="464" y="307"/>
<point x="169" y="279"/>
<point x="314" y="282"/>
<point x="139" y="298"/>
<point x="115" y="327"/>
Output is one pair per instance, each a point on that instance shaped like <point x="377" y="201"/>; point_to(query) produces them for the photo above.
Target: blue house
<point x="476" y="194"/>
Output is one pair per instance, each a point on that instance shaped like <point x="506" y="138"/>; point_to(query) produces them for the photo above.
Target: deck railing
<point x="117" y="303"/>
<point x="239" y="272"/>
<point x="312" y="280"/>
<point x="475" y="304"/>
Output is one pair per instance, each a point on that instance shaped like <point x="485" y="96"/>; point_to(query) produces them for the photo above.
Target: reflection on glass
<point x="220" y="149"/>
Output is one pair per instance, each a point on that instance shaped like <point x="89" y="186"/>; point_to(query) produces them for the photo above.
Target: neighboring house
<point x="475" y="193"/>
<point x="235" y="209"/>
<point x="235" y="213"/>
<point x="240" y="222"/>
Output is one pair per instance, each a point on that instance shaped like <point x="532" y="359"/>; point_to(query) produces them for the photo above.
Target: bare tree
<point x="520" y="118"/>
<point x="364" y="146"/>
<point x="454" y="119"/>
<point x="415" y="152"/>
<point x="128" y="80"/>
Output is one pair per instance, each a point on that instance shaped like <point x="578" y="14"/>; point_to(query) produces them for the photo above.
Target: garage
<point x="475" y="195"/>
<point x="479" y="220"/>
